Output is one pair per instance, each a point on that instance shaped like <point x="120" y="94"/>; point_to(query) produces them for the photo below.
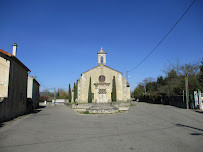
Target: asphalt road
<point x="145" y="128"/>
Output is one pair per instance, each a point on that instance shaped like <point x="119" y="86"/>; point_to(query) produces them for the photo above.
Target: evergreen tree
<point x="69" y="93"/>
<point x="75" y="93"/>
<point x="114" y="97"/>
<point x="90" y="93"/>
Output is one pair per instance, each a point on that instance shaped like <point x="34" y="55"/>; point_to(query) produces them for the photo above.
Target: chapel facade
<point x="101" y="83"/>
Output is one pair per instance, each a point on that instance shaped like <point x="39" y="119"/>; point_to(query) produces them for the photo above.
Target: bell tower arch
<point x="101" y="57"/>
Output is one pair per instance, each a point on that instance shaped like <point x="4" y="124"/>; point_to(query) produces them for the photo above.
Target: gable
<point x="10" y="57"/>
<point x="104" y="66"/>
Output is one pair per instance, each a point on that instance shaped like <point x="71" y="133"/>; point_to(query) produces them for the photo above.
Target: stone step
<point x="102" y="108"/>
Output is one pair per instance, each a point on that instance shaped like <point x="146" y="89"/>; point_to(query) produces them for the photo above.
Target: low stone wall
<point x="81" y="106"/>
<point x="87" y="105"/>
<point x="121" y="104"/>
<point x="103" y="108"/>
<point x="10" y="110"/>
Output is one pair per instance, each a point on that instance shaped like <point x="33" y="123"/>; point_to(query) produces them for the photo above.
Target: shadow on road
<point x="180" y="125"/>
<point x="196" y="134"/>
<point x="38" y="109"/>
<point x="199" y="111"/>
<point x="1" y="125"/>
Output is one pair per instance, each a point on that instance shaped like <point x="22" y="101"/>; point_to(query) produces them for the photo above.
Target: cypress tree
<point x="69" y="93"/>
<point x="114" y="97"/>
<point x="90" y="93"/>
<point x="75" y="93"/>
<point x="58" y="94"/>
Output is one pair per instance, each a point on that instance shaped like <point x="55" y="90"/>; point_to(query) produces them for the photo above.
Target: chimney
<point x="14" y="49"/>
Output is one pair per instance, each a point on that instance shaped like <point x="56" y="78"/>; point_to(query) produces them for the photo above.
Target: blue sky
<point x="58" y="40"/>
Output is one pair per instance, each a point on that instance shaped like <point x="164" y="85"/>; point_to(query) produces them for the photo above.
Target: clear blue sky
<point x="58" y="40"/>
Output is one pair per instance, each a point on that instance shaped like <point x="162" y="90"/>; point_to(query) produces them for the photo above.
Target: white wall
<point x="4" y="77"/>
<point x="29" y="87"/>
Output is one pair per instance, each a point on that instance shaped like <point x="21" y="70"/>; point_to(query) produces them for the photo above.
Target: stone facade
<point x="102" y="79"/>
<point x="4" y="78"/>
<point x="13" y="88"/>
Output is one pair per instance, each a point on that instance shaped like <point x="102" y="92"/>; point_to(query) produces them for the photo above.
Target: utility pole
<point x="54" y="95"/>
<point x="186" y="89"/>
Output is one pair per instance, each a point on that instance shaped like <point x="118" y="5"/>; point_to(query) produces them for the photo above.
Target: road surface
<point x="145" y="128"/>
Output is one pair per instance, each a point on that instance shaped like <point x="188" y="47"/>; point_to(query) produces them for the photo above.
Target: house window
<point x="101" y="78"/>
<point x="92" y="96"/>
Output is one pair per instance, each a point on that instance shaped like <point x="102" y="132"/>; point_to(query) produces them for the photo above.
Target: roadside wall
<point x="35" y="94"/>
<point x="15" y="104"/>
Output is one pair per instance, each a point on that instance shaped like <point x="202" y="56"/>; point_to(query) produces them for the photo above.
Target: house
<point x="33" y="92"/>
<point x="13" y="85"/>
<point x="101" y="83"/>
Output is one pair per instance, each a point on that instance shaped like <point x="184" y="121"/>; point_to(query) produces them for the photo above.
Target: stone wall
<point x="121" y="104"/>
<point x="35" y="94"/>
<point x="83" y="84"/>
<point x="15" y="104"/>
<point x="101" y="107"/>
<point x="4" y="77"/>
<point x="80" y="106"/>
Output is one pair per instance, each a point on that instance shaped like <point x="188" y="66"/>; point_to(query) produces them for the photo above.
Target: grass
<point x="86" y="112"/>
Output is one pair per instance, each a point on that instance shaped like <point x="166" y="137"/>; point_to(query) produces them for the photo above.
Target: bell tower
<point x="101" y="57"/>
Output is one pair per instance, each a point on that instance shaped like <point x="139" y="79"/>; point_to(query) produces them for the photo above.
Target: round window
<point x="101" y="78"/>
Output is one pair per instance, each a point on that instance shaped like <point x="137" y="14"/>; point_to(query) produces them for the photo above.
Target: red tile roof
<point x="6" y="53"/>
<point x="14" y="59"/>
<point x="31" y="77"/>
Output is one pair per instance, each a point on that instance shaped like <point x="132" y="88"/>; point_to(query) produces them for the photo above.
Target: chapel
<point x="101" y="83"/>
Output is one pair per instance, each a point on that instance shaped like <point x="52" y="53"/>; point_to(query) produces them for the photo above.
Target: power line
<point x="164" y="37"/>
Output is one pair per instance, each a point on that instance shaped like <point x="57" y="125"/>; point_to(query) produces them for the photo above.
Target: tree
<point x="69" y="93"/>
<point x="43" y="98"/>
<point x="58" y="94"/>
<point x="76" y="90"/>
<point x="172" y="85"/>
<point x="75" y="93"/>
<point x="139" y="91"/>
<point x="114" y="97"/>
<point x="160" y="80"/>
<point x="90" y="93"/>
<point x="200" y="76"/>
<point x="63" y="94"/>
